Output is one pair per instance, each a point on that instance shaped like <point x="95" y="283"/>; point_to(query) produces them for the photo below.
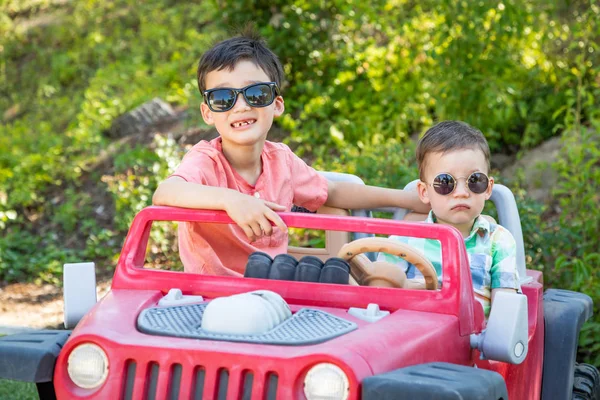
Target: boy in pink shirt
<point x="245" y="175"/>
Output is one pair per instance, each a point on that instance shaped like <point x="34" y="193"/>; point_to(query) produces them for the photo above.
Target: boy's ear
<point x="279" y="106"/>
<point x="207" y="115"/>
<point x="488" y="192"/>
<point x="423" y="193"/>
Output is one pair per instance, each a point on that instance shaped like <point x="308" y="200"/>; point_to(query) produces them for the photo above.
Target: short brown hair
<point x="248" y="45"/>
<point x="447" y="136"/>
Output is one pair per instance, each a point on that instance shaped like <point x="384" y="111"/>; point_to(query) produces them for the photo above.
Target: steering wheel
<point x="383" y="273"/>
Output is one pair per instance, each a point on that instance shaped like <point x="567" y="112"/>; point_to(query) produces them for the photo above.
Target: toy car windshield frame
<point x="455" y="297"/>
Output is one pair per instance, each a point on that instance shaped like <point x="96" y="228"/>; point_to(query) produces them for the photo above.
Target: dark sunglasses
<point x="256" y="95"/>
<point x="445" y="184"/>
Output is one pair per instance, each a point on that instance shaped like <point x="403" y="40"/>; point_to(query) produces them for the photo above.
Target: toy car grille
<point x="307" y="326"/>
<point x="174" y="381"/>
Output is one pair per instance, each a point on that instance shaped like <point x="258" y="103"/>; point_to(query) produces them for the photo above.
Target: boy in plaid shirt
<point x="453" y="160"/>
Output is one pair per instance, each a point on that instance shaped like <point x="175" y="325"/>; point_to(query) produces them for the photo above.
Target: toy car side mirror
<point x="79" y="291"/>
<point x="506" y="335"/>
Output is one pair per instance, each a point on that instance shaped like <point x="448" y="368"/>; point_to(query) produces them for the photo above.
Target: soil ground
<point x="30" y="306"/>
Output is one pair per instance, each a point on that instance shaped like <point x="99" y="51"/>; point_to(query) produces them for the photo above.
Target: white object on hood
<point x="246" y="313"/>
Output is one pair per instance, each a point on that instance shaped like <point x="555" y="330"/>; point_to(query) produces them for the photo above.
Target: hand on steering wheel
<point x="383" y="273"/>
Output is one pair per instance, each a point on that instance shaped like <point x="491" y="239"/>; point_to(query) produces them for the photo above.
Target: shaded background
<point x="364" y="79"/>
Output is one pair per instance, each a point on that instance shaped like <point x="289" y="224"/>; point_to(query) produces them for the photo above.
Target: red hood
<point x="403" y="335"/>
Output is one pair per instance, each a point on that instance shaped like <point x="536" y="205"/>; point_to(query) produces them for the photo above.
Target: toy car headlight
<point x="326" y="382"/>
<point x="88" y="366"/>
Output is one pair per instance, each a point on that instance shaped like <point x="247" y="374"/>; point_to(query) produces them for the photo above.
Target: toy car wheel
<point x="586" y="382"/>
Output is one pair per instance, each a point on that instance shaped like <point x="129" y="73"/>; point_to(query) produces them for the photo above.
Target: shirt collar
<point x="481" y="225"/>
<point x="430" y="217"/>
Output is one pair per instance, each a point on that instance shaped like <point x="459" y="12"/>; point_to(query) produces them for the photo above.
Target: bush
<point x="63" y="84"/>
<point x="575" y="243"/>
<point x="388" y="164"/>
<point x="364" y="69"/>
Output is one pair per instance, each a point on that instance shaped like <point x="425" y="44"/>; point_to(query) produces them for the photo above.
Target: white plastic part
<point x="281" y="307"/>
<point x="341" y="177"/>
<point x="87" y="366"/>
<point x="371" y="314"/>
<point x="506" y="335"/>
<point x="246" y="313"/>
<point x="176" y="298"/>
<point x="79" y="291"/>
<point x="326" y="381"/>
<point x="508" y="217"/>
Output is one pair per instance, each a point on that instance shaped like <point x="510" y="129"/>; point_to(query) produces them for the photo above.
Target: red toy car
<point x="149" y="337"/>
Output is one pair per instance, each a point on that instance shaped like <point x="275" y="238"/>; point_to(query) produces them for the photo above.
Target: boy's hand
<point x="254" y="215"/>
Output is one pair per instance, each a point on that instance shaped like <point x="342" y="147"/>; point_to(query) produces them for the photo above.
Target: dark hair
<point x="447" y="136"/>
<point x="248" y="45"/>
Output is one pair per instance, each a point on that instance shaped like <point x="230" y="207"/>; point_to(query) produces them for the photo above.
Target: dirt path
<point x="26" y="305"/>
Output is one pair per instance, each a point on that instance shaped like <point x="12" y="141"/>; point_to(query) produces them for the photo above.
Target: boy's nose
<point x="461" y="189"/>
<point x="240" y="103"/>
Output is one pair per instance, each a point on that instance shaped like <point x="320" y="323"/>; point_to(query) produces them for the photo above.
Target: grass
<point x="15" y="390"/>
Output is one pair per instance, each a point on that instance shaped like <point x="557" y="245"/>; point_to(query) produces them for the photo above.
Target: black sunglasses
<point x="256" y="95"/>
<point x="445" y="184"/>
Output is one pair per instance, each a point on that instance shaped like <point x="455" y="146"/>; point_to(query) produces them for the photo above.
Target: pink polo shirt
<point x="221" y="249"/>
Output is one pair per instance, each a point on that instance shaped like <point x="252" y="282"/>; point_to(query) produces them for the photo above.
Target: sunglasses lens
<point x="443" y="184"/>
<point x="221" y="100"/>
<point x="260" y="95"/>
<point x="478" y="182"/>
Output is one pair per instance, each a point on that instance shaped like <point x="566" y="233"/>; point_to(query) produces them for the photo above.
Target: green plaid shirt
<point x="492" y="257"/>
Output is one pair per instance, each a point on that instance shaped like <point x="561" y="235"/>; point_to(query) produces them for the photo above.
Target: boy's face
<point x="462" y="206"/>
<point x="242" y="125"/>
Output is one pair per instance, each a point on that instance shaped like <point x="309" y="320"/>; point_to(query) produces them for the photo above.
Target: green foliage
<point x="63" y="82"/>
<point x="15" y="390"/>
<point x="576" y="244"/>
<point x="576" y="233"/>
<point x="138" y="172"/>
<point x="307" y="238"/>
<point x="357" y="69"/>
<point x="387" y="164"/>
<point x="562" y="240"/>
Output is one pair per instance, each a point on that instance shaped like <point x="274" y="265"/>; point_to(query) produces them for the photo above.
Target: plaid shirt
<point x="492" y="258"/>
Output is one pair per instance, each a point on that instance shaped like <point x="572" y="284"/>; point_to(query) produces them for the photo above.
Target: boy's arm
<point x="352" y="196"/>
<point x="253" y="215"/>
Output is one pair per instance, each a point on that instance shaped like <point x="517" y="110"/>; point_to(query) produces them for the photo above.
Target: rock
<point x="536" y="165"/>
<point x="146" y="117"/>
<point x="12" y="113"/>
<point x="501" y="161"/>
